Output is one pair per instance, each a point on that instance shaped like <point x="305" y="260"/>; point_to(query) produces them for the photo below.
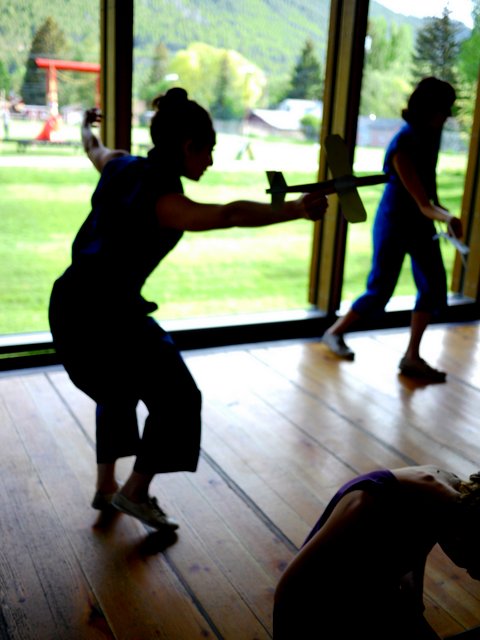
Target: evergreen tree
<point x="221" y="107"/>
<point x="48" y="42"/>
<point x="219" y="78"/>
<point x="401" y="45"/>
<point x="387" y="46"/>
<point x="4" y="79"/>
<point x="77" y="88"/>
<point x="156" y="81"/>
<point x="159" y="67"/>
<point x="377" y="54"/>
<point x="436" y="49"/>
<point x="468" y="68"/>
<point x="469" y="58"/>
<point x="307" y="78"/>
<point x="388" y="52"/>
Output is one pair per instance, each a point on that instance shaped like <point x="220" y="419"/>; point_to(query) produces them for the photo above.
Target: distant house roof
<point x="281" y="120"/>
<point x="302" y="107"/>
<point x="288" y="115"/>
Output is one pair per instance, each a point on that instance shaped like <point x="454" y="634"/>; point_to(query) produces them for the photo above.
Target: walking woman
<point x="404" y="224"/>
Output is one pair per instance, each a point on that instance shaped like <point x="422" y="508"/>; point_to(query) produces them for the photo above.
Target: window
<point x="395" y="59"/>
<point x="46" y="186"/>
<point x="235" y="61"/>
<point x="46" y="181"/>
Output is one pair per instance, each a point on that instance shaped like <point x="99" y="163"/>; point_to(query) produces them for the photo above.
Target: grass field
<point x="45" y="197"/>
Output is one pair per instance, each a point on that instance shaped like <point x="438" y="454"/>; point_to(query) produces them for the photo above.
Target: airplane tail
<point x="278" y="186"/>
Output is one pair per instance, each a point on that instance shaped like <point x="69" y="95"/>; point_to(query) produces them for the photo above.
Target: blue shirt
<point x="121" y="242"/>
<point x="422" y="147"/>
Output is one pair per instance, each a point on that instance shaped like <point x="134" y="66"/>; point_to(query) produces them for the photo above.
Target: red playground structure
<point x="53" y="122"/>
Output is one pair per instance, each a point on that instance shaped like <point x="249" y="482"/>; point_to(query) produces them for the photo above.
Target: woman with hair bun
<point x="110" y="346"/>
<point x="404" y="224"/>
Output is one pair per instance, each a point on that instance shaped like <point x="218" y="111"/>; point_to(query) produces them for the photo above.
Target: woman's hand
<point x="455" y="227"/>
<point x="91" y="116"/>
<point x="97" y="153"/>
<point x="314" y="205"/>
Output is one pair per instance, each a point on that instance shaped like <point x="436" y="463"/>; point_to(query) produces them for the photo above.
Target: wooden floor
<point x="284" y="425"/>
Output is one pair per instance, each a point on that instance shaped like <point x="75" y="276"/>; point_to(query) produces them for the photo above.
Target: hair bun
<point x="174" y="98"/>
<point x="177" y="119"/>
<point x="176" y="95"/>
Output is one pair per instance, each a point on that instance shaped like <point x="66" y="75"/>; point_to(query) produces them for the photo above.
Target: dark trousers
<point x="119" y="364"/>
<point x="170" y="440"/>
<point x="392" y="241"/>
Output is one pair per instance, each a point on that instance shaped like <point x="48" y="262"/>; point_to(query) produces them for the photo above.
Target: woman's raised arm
<point x="97" y="152"/>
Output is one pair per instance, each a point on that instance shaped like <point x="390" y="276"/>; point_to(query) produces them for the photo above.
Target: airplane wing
<point x="344" y="182"/>
<point x="337" y="156"/>
<point x="278" y="188"/>
<point x="339" y="164"/>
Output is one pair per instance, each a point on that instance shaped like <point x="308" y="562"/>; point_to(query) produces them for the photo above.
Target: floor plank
<point x="284" y="424"/>
<point x="41" y="598"/>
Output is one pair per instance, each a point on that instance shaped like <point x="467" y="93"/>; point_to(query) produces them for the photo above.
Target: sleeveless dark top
<point x="121" y="242"/>
<point x="377" y="483"/>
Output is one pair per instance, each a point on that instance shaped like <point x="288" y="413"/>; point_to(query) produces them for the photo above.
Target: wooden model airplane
<point x="344" y="182"/>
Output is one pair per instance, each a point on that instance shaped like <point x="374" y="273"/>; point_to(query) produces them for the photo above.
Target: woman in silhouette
<point x="359" y="573"/>
<point x="404" y="224"/>
<point x="109" y="344"/>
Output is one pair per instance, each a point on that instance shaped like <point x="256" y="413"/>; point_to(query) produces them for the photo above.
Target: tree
<point x="199" y="71"/>
<point x="377" y="55"/>
<point x="77" y="88"/>
<point x="307" y="77"/>
<point x="384" y="94"/>
<point x="4" y="79"/>
<point x="48" y="42"/>
<point x="468" y="70"/>
<point x="401" y="46"/>
<point x="388" y="51"/>
<point x="468" y="58"/>
<point x="156" y="82"/>
<point x="436" y="49"/>
<point x="388" y="46"/>
<point x="222" y="106"/>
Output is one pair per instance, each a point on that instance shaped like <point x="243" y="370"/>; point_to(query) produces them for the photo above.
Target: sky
<point x="460" y="9"/>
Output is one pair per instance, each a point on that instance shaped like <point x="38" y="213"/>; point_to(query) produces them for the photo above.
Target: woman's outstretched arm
<point x="179" y="212"/>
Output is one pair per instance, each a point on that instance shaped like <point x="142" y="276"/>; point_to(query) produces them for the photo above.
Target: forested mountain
<point x="270" y="34"/>
<point x="264" y="31"/>
<point x="19" y="22"/>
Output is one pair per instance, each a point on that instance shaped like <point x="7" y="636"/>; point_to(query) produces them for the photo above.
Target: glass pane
<point x="395" y="60"/>
<point x="46" y="181"/>
<point x="237" y="61"/>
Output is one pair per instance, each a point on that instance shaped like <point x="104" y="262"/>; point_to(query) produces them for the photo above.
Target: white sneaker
<point x="336" y="344"/>
<point x="147" y="512"/>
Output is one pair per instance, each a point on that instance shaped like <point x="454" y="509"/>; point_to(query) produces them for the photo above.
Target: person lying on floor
<point x="360" y="571"/>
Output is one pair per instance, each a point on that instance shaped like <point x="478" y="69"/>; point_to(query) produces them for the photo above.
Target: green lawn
<point x="212" y="273"/>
